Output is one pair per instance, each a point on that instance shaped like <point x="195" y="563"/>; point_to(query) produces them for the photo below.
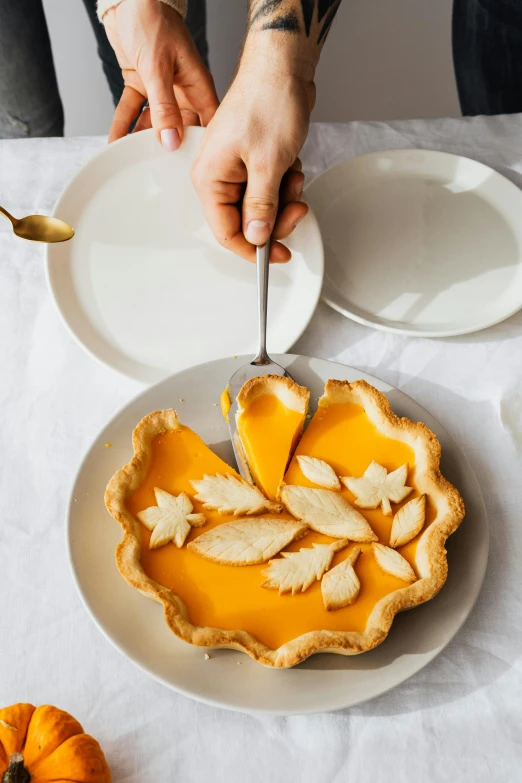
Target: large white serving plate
<point x="420" y="242"/>
<point x="145" y="287"/>
<point x="136" y="626"/>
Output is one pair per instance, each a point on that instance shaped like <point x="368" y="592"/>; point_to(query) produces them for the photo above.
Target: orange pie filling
<point x="226" y="403"/>
<point x="231" y="597"/>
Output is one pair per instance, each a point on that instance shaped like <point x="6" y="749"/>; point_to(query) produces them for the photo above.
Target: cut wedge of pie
<point x="270" y="419"/>
<point x="320" y="555"/>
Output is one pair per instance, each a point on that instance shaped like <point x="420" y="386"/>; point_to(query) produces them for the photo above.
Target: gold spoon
<point x="40" y="228"/>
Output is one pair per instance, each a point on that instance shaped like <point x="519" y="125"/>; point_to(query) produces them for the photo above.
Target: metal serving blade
<point x="262" y="364"/>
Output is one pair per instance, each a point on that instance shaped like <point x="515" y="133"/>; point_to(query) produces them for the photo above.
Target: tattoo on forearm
<point x="307" y="7"/>
<point x="288" y="22"/>
<point x="329" y="10"/>
<point x="263" y="10"/>
<point x="311" y="17"/>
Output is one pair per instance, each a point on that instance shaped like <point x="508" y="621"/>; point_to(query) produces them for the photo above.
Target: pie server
<point x="262" y="364"/>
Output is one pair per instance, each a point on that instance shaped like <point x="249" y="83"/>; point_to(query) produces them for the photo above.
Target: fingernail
<point x="298" y="189"/>
<point x="297" y="223"/>
<point x="258" y="232"/>
<point x="170" y="139"/>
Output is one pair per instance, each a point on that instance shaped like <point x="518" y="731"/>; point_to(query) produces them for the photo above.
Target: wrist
<point x="268" y="52"/>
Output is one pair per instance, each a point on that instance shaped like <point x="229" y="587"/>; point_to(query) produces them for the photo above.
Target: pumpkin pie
<point x="345" y="526"/>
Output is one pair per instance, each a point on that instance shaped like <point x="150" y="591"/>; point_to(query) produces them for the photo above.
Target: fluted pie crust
<point x="430" y="559"/>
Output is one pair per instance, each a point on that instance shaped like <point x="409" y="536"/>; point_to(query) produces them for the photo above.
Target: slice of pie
<point x="318" y="556"/>
<point x="270" y="419"/>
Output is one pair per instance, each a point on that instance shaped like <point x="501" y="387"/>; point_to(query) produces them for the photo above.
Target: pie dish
<point x="347" y="474"/>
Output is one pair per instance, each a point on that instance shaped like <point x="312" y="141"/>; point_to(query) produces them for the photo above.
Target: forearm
<point x="291" y="32"/>
<point x="178" y="5"/>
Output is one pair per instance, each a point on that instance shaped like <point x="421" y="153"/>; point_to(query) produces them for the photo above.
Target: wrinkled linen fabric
<point x="459" y="718"/>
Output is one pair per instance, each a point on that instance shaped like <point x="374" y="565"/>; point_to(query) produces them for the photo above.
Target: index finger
<point x="221" y="202"/>
<point x="201" y="94"/>
<point x="225" y="221"/>
<point x="197" y="85"/>
<point x="125" y="113"/>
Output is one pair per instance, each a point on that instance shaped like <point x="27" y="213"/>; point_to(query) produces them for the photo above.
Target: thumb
<point x="164" y="110"/>
<point x="260" y="204"/>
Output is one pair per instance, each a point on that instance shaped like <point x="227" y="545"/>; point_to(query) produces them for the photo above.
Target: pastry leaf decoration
<point x="170" y="520"/>
<point x="246" y="541"/>
<point x="408" y="521"/>
<point x="393" y="563"/>
<point x="327" y="512"/>
<point x="231" y="495"/>
<point x="319" y="472"/>
<point x="340" y="586"/>
<point x="295" y="571"/>
<point x="196" y="520"/>
<point x="378" y="487"/>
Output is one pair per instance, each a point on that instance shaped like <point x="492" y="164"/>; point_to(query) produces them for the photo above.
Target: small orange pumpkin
<point x="44" y="744"/>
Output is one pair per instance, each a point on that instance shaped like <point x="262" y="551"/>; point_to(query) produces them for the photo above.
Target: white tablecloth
<point x="458" y="719"/>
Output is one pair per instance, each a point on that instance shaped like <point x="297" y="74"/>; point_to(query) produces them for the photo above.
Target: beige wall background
<point x="384" y="59"/>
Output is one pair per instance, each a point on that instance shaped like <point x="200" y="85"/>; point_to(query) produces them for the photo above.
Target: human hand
<point x="159" y="62"/>
<point x="247" y="173"/>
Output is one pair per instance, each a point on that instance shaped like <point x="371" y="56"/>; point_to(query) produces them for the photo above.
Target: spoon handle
<point x="6" y="214"/>
<point x="263" y="268"/>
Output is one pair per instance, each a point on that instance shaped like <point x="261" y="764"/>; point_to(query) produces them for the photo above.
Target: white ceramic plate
<point x="419" y="242"/>
<point x="145" y="287"/>
<point x="136" y="626"/>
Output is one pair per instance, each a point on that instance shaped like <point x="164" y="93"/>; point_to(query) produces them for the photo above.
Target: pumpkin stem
<point x="16" y="772"/>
